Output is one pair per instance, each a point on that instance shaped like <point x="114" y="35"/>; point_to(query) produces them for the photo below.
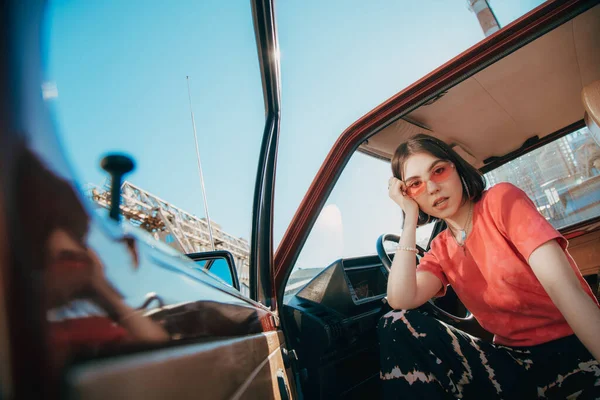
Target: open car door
<point x="91" y="308"/>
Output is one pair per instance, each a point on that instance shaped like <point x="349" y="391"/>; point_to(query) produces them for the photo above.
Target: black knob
<point x="117" y="165"/>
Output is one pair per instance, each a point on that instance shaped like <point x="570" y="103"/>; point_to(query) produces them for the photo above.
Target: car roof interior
<point x="535" y="91"/>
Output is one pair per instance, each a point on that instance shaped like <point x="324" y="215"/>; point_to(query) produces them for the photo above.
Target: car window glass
<point x="220" y="268"/>
<point x="562" y="178"/>
<point x="115" y="81"/>
<point x="356" y="213"/>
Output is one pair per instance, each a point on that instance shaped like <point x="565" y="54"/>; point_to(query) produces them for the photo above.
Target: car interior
<point x="215" y="342"/>
<point x="536" y="95"/>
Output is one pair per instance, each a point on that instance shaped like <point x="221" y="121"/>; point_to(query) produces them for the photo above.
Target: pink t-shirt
<point x="490" y="274"/>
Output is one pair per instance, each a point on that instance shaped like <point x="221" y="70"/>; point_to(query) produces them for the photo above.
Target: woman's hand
<point x="140" y="328"/>
<point x="397" y="192"/>
<point x="100" y="290"/>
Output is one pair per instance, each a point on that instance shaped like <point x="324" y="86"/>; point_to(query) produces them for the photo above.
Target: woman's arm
<point x="406" y="287"/>
<point x="552" y="268"/>
<point x="140" y="328"/>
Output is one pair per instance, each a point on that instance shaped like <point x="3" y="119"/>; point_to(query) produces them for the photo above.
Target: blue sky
<point x="120" y="70"/>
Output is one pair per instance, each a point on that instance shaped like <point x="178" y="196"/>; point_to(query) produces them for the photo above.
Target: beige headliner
<point x="533" y="91"/>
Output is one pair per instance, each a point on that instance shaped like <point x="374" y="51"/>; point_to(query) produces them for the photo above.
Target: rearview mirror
<point x="219" y="263"/>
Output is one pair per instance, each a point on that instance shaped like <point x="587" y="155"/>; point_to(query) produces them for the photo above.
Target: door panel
<point x="230" y="368"/>
<point x="194" y="335"/>
<point x="585" y="250"/>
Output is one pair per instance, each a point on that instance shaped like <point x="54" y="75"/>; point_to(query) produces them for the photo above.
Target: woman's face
<point x="435" y="184"/>
<point x="68" y="268"/>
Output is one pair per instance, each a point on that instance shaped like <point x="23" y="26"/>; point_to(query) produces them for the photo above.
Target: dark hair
<point x="46" y="202"/>
<point x="473" y="182"/>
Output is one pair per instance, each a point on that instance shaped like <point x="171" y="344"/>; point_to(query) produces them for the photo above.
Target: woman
<point x="508" y="266"/>
<point x="56" y="229"/>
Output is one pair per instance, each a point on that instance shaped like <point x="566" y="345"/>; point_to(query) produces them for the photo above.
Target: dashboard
<point x="332" y="324"/>
<point x="347" y="284"/>
<point x="366" y="283"/>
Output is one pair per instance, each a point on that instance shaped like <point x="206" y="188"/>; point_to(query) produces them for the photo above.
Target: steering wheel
<point x="387" y="263"/>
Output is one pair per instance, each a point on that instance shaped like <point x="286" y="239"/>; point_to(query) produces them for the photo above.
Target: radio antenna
<point x="210" y="232"/>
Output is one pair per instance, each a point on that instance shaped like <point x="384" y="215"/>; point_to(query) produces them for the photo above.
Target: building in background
<point x="488" y="21"/>
<point x="559" y="177"/>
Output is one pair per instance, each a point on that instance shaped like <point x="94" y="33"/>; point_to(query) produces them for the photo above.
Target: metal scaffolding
<point x="174" y="226"/>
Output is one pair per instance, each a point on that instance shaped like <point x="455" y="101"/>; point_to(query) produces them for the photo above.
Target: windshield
<point x="562" y="178"/>
<point x="340" y="59"/>
<point x="357" y="212"/>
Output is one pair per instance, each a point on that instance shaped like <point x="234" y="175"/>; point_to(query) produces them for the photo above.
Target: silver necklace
<point x="463" y="232"/>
